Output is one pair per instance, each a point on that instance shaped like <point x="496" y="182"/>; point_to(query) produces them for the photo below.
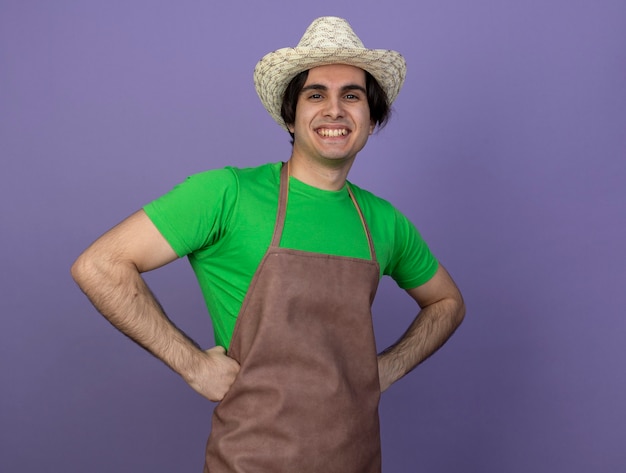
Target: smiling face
<point x="332" y="122"/>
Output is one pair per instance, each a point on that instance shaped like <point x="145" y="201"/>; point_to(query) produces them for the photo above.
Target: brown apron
<point x="306" y="397"/>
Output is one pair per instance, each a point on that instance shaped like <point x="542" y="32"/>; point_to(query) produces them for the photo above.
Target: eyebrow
<point x="345" y="88"/>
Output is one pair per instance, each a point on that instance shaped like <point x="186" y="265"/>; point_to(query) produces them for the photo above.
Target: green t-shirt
<point x="223" y="221"/>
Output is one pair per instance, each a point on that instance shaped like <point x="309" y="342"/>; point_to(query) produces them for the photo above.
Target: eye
<point x="315" y="96"/>
<point x="352" y="97"/>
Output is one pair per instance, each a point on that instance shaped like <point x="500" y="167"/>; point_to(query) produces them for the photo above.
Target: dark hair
<point x="376" y="99"/>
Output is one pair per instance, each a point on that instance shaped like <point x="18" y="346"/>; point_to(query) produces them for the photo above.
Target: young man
<point x="288" y="257"/>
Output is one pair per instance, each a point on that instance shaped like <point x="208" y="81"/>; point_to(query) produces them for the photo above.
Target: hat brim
<point x="275" y="70"/>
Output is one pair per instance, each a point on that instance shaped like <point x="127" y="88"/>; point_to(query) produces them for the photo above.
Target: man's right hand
<point x="213" y="374"/>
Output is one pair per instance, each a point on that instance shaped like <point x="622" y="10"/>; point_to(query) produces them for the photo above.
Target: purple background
<point x="507" y="149"/>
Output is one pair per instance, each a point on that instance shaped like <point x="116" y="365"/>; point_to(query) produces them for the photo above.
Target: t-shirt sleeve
<point x="196" y="212"/>
<point x="412" y="263"/>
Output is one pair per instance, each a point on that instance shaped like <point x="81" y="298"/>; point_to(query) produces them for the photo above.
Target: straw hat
<point x="328" y="40"/>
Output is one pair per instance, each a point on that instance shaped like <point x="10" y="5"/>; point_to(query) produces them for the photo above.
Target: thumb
<point x="217" y="350"/>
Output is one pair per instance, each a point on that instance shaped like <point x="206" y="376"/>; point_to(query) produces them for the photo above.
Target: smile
<point x="332" y="132"/>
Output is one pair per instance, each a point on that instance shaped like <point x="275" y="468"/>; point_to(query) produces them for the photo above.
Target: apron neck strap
<point x="370" y="240"/>
<point x="283" y="195"/>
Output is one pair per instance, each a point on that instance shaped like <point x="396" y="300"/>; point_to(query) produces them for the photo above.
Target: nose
<point x="334" y="108"/>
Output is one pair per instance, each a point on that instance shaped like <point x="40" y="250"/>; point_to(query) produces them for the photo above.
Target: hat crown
<point x="330" y="32"/>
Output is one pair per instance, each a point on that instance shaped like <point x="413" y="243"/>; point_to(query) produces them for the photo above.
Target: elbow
<point x="459" y="313"/>
<point x="89" y="269"/>
<point x="80" y="269"/>
<point x="95" y="268"/>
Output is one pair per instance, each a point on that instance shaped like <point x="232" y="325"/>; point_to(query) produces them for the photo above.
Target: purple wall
<point x="507" y="149"/>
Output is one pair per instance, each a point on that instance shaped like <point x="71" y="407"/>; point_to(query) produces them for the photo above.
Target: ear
<point x="290" y="127"/>
<point x="372" y="126"/>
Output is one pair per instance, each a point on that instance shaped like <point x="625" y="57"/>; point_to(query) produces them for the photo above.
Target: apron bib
<point x="306" y="397"/>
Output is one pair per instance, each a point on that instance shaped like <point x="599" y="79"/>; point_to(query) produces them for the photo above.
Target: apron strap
<point x="370" y="240"/>
<point x="283" y="195"/>
<point x="282" y="205"/>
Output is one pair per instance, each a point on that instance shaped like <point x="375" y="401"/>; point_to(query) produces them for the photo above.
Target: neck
<point x="327" y="176"/>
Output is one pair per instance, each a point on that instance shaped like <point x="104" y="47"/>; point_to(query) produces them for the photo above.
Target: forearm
<point x="432" y="327"/>
<point x="109" y="273"/>
<point x="120" y="294"/>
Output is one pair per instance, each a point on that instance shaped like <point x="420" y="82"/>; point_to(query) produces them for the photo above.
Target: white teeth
<point x="333" y="132"/>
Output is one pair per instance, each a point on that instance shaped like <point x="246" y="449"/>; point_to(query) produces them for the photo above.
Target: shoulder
<point x="227" y="179"/>
<point x="370" y="203"/>
<point x="403" y="253"/>
<point x="204" y="182"/>
<point x="266" y="171"/>
<point x="199" y="211"/>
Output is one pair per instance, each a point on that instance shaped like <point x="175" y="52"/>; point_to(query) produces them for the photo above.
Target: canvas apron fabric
<point x="306" y="397"/>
